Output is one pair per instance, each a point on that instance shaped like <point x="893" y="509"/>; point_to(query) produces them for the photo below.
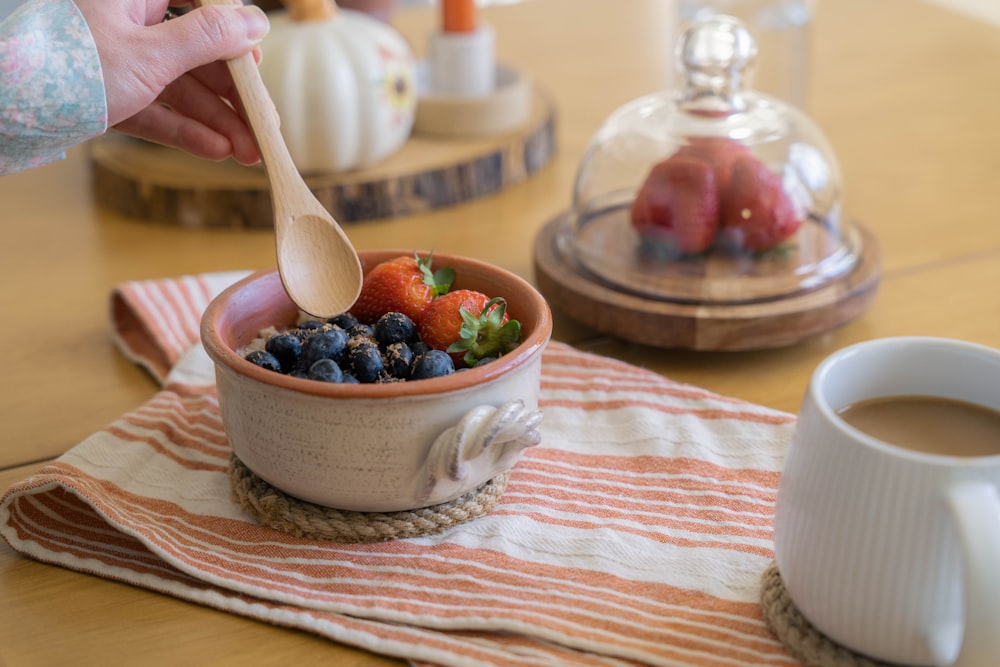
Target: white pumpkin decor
<point x="343" y="84"/>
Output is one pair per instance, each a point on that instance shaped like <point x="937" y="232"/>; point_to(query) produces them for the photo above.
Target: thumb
<point x="210" y="33"/>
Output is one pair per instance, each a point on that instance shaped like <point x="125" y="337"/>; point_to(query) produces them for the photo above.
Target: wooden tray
<point x="783" y="319"/>
<point x="150" y="182"/>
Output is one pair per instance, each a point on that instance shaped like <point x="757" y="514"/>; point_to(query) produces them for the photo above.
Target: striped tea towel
<point x="636" y="533"/>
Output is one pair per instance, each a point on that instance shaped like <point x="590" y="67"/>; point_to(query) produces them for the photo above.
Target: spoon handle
<point x="262" y="116"/>
<point x="319" y="267"/>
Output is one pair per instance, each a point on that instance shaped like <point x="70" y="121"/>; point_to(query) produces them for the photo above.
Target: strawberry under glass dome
<point x="705" y="214"/>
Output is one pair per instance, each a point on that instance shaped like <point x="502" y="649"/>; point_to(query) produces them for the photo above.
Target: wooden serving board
<point x="785" y="318"/>
<point x="150" y="182"/>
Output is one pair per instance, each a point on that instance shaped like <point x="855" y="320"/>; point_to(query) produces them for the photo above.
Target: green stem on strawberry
<point x="439" y="281"/>
<point x="486" y="335"/>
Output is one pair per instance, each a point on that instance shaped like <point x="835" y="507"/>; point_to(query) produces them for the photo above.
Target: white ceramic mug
<point x="891" y="552"/>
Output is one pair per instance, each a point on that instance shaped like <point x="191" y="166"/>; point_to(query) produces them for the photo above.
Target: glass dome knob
<point x="714" y="56"/>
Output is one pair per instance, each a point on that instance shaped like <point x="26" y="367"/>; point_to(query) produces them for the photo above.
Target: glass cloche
<point x="711" y="194"/>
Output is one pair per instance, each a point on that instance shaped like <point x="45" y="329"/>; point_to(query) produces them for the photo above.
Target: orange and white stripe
<point x="634" y="534"/>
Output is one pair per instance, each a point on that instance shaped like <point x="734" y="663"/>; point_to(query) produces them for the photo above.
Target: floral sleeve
<point x="51" y="88"/>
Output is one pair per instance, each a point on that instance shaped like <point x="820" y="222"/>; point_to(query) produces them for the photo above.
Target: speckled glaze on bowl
<point x="377" y="447"/>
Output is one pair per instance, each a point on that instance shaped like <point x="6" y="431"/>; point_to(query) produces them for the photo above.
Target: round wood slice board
<point x="784" y="319"/>
<point x="150" y="182"/>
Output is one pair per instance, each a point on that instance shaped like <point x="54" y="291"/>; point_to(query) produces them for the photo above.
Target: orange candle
<point x="458" y="15"/>
<point x="462" y="54"/>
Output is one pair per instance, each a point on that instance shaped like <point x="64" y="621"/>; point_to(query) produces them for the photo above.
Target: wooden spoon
<point x="319" y="266"/>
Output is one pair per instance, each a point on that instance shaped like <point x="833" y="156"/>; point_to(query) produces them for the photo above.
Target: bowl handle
<point x="484" y="443"/>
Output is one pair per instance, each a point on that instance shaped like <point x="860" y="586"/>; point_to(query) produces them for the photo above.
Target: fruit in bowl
<point x="407" y="324"/>
<point x="379" y="446"/>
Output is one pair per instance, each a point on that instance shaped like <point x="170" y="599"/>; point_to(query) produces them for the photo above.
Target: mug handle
<point x="975" y="506"/>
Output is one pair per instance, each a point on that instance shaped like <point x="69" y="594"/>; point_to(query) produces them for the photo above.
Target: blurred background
<point x="988" y="10"/>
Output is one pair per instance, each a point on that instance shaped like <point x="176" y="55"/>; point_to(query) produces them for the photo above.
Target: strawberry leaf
<point x="486" y="334"/>
<point x="439" y="281"/>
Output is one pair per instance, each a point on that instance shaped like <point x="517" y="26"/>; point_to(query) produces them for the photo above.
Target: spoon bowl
<point x="319" y="267"/>
<point x="311" y="262"/>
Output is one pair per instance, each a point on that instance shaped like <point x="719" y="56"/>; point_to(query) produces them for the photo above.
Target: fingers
<point x="203" y="104"/>
<point x="191" y="117"/>
<point x="201" y="36"/>
<point x="164" y="126"/>
<point x="154" y="11"/>
<point x="169" y="72"/>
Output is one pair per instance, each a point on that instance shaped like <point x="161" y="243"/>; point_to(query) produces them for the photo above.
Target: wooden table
<point x="906" y="92"/>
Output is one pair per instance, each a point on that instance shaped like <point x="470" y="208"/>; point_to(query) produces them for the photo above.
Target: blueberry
<point x="324" y="345"/>
<point x="362" y="330"/>
<point x="345" y="321"/>
<point x="366" y="362"/>
<point x="347" y="378"/>
<point x="419" y="347"/>
<point x="397" y="359"/>
<point x="431" y="364"/>
<point x="311" y="325"/>
<point x="394" y="327"/>
<point x="286" y="348"/>
<point x="484" y="361"/>
<point x="264" y="359"/>
<point x="325" y="370"/>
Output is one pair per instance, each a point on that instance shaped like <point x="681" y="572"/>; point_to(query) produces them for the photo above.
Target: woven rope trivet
<point x="803" y="641"/>
<point x="275" y="509"/>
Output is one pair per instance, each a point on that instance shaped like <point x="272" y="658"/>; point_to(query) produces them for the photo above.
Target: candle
<point x="458" y="15"/>
<point x="461" y="55"/>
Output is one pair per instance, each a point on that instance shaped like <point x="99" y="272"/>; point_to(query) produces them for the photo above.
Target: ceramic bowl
<point x="377" y="447"/>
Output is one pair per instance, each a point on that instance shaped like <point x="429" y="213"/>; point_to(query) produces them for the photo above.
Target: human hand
<point x="165" y="80"/>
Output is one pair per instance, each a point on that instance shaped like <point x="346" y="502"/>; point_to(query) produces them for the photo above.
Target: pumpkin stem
<point x="310" y="10"/>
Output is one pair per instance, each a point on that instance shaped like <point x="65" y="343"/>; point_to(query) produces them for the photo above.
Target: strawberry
<point x="403" y="284"/>
<point x="755" y="211"/>
<point x="719" y="152"/>
<point x="469" y="326"/>
<point x="677" y="207"/>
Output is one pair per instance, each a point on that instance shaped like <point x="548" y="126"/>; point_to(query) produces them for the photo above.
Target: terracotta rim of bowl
<point x="523" y="297"/>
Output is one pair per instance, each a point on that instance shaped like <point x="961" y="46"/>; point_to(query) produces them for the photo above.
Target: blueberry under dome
<point x="710" y="195"/>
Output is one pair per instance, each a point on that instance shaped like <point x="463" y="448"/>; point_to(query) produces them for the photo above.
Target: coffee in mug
<point x="892" y="551"/>
<point x="929" y="424"/>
